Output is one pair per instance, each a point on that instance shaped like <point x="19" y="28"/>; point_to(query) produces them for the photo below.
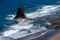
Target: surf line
<point x="41" y="34"/>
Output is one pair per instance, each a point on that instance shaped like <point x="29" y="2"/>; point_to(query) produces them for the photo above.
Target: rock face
<point x="56" y="23"/>
<point x="20" y="13"/>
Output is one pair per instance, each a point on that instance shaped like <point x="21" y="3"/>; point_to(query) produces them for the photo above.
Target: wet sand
<point x="56" y="37"/>
<point x="50" y="35"/>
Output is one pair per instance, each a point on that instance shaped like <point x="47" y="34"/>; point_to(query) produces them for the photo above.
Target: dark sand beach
<point x="55" y="37"/>
<point x="50" y="35"/>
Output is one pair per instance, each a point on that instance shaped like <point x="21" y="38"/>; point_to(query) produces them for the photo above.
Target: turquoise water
<point x="9" y="7"/>
<point x="7" y="22"/>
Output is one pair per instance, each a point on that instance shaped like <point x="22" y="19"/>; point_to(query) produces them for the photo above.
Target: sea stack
<point x="20" y="13"/>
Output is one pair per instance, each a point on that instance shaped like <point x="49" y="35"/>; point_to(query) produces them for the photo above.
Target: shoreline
<point x="37" y="36"/>
<point x="55" y="37"/>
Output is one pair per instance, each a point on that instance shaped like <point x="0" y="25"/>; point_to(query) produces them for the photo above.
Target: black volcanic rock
<point x="56" y="23"/>
<point x="20" y="13"/>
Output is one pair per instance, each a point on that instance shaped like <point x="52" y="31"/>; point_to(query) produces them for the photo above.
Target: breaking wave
<point x="26" y="27"/>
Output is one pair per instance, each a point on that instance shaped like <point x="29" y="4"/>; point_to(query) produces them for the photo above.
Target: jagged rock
<point x="20" y="13"/>
<point x="56" y="23"/>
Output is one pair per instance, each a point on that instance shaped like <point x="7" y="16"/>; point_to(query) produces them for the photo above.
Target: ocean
<point x="32" y="9"/>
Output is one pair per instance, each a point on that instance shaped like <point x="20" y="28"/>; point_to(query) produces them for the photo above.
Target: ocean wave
<point x="15" y="29"/>
<point x="45" y="10"/>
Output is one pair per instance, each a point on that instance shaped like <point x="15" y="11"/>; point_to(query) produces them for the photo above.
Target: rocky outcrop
<point x="56" y="23"/>
<point x="20" y="13"/>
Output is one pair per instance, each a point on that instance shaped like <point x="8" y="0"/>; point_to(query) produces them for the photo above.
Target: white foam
<point x="46" y="10"/>
<point x="10" y="17"/>
<point x="19" y="27"/>
<point x="15" y="28"/>
<point x="48" y="23"/>
<point x="9" y="32"/>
